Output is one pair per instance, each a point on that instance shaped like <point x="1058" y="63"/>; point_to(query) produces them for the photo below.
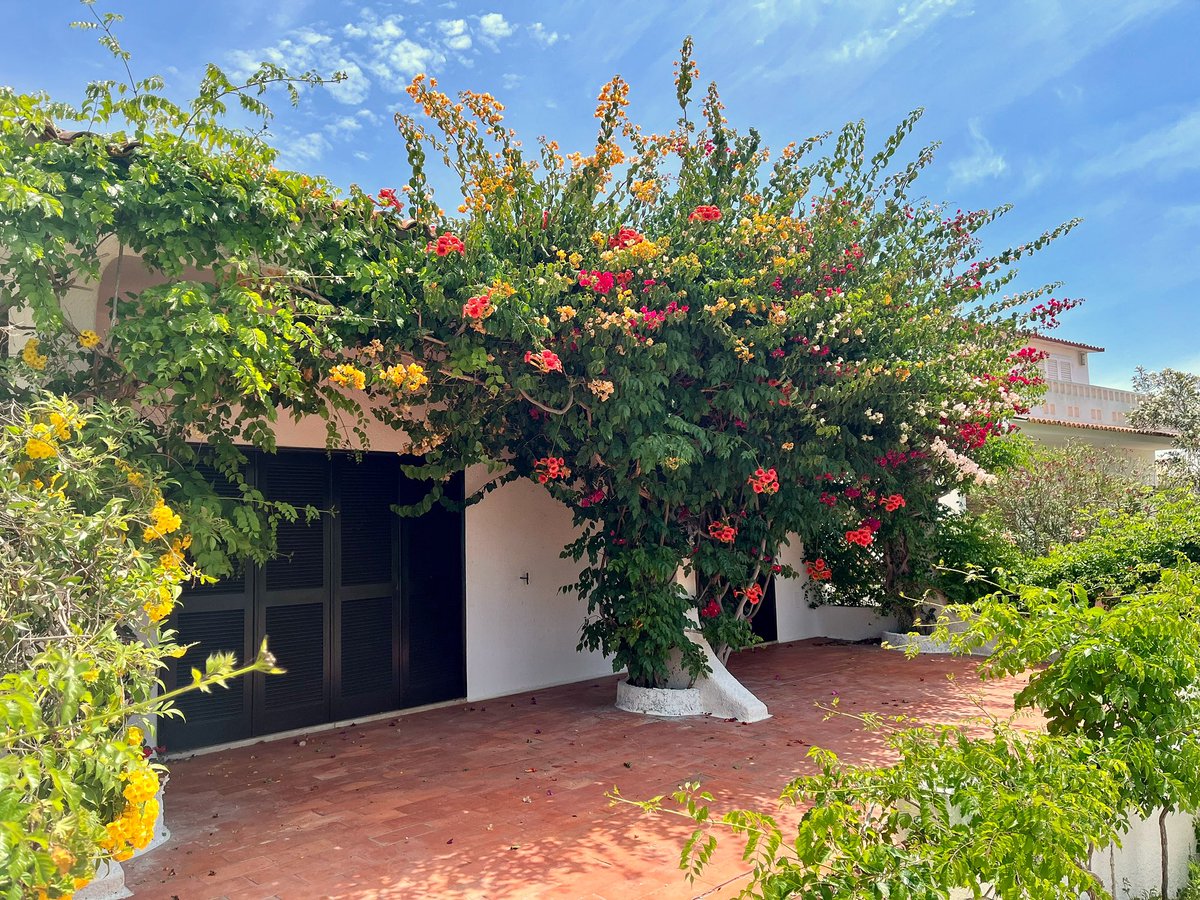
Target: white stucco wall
<point x="796" y="620"/>
<point x="521" y="636"/>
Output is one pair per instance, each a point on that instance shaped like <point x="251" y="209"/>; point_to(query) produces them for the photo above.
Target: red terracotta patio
<point x="505" y="798"/>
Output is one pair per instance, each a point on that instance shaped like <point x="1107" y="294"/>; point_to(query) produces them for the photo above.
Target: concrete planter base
<point x="109" y="884"/>
<point x="716" y="694"/>
<point x="659" y="701"/>
<point x="895" y="640"/>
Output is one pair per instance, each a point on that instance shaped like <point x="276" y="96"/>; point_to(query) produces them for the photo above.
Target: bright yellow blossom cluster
<point x="161" y="608"/>
<point x="32" y="357"/>
<point x="40" y="444"/>
<point x="645" y="191"/>
<point x="565" y="313"/>
<point x="347" y="375"/>
<point x="130" y="831"/>
<point x="88" y="339"/>
<point x="173" y="558"/>
<point x="502" y="290"/>
<point x="411" y="377"/>
<point x="163" y="521"/>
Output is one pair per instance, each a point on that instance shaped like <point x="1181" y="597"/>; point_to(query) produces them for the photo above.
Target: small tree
<point x="1171" y="400"/>
<point x="91" y="560"/>
<point x="1049" y="495"/>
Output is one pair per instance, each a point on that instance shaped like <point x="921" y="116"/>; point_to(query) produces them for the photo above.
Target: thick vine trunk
<point x="1162" y="840"/>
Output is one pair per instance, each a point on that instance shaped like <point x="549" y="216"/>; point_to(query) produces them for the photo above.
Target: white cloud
<point x="385" y="52"/>
<point x="402" y="59"/>
<point x="984" y="161"/>
<point x="511" y="81"/>
<point x="495" y="26"/>
<point x="362" y="156"/>
<point x="347" y="125"/>
<point x="1165" y="151"/>
<point x="301" y="151"/>
<point x="542" y="35"/>
<point x="355" y="87"/>
<point x="877" y="43"/>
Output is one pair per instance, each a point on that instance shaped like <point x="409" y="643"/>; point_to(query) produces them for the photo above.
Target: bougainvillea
<point x="710" y="338"/>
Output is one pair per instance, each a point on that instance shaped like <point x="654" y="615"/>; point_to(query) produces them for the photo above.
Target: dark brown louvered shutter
<point x="366" y="626"/>
<point x="216" y="618"/>
<point x="293" y="607"/>
<point x="434" y="602"/>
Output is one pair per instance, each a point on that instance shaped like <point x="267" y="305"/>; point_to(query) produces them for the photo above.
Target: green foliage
<point x="1125" y="550"/>
<point x="1013" y="811"/>
<point x="985" y="808"/>
<point x="675" y="333"/>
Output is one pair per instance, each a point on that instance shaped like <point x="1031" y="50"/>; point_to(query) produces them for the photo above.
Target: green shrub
<point x="1125" y="550"/>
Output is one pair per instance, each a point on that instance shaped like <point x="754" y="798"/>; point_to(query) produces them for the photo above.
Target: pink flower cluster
<point x="546" y="360"/>
<point x="445" y="245"/>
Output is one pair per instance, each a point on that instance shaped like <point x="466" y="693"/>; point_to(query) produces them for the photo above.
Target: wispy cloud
<point x="911" y="19"/>
<point x="303" y="150"/>
<point x="385" y="51"/>
<point x="983" y="163"/>
<point x="1164" y="152"/>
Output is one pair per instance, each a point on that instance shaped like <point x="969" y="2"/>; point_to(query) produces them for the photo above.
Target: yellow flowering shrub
<point x="76" y="785"/>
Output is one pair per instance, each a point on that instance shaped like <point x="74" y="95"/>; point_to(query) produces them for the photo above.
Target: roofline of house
<point x="1124" y="429"/>
<point x="1076" y="344"/>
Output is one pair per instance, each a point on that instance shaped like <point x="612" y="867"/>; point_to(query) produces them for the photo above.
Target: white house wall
<point x="521" y="636"/>
<point x="796" y="620"/>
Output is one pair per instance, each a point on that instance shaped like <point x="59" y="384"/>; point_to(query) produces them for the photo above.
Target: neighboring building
<point x="1074" y="409"/>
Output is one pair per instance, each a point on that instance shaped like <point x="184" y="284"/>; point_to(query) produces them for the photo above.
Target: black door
<point x="434" y="600"/>
<point x="765" y="622"/>
<point x="292" y="607"/>
<point x="330" y="606"/>
<point x="366" y="610"/>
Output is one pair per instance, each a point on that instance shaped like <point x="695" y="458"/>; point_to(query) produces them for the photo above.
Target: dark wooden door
<point x="434" y="600"/>
<point x="364" y="610"/>
<point x="366" y="590"/>
<point x="293" y="602"/>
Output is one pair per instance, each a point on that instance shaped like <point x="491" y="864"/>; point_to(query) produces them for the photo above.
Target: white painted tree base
<point x="895" y="640"/>
<point x="109" y="884"/>
<point x="667" y="702"/>
<point x="716" y="694"/>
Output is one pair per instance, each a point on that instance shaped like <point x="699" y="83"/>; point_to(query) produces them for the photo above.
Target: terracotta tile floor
<point x="505" y="798"/>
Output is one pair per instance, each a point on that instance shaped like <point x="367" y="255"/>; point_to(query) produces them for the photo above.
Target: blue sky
<point x="1064" y="108"/>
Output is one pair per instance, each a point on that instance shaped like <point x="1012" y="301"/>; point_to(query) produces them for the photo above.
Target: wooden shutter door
<point x="292" y="607"/>
<point x="366" y="614"/>
<point x="216" y="618"/>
